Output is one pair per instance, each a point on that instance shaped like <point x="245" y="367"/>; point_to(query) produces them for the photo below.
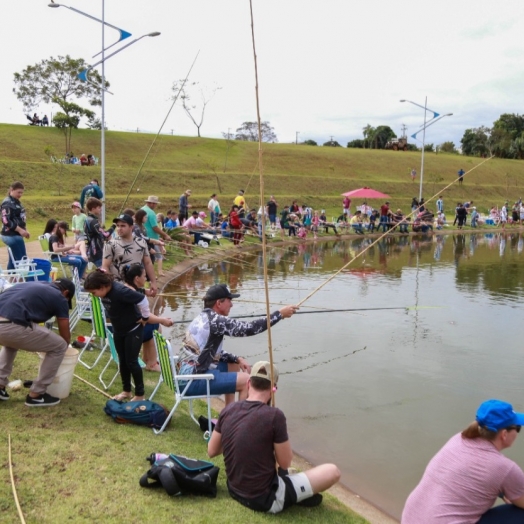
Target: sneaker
<point x="4" y="395"/>
<point x="42" y="400"/>
<point x="311" y="502"/>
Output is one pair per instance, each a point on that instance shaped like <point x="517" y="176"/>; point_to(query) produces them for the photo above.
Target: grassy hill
<point x="316" y="175"/>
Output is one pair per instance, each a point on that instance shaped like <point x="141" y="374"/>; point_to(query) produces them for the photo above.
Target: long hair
<point x="50" y="225"/>
<point x="97" y="280"/>
<point x="476" y="431"/>
<point x="61" y="236"/>
<point x="14" y="186"/>
<point x="139" y="217"/>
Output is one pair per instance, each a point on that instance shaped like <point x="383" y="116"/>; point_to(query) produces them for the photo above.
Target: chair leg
<point x="160" y="380"/>
<point x="100" y="377"/>
<point x="164" y="425"/>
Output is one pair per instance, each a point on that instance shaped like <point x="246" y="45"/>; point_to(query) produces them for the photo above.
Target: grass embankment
<point x="315" y="175"/>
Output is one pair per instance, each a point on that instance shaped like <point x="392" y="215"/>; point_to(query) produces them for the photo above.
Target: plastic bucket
<point x="61" y="385"/>
<point x="45" y="266"/>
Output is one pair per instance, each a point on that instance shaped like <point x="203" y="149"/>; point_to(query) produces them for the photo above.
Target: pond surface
<point x="379" y="392"/>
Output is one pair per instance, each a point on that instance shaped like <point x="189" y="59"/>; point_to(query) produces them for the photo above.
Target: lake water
<point x="379" y="392"/>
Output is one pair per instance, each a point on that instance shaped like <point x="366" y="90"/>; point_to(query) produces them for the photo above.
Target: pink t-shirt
<point x="461" y="482"/>
<point x="190" y="222"/>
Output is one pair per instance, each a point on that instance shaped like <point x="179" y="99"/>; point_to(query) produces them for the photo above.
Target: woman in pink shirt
<point x="463" y="480"/>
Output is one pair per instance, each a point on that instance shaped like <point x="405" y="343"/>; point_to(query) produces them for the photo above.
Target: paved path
<point x="33" y="249"/>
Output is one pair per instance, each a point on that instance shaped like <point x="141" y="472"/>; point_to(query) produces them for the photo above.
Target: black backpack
<point x="179" y="475"/>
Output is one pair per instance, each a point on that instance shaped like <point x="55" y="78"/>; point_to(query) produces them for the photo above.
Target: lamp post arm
<point x="430" y="123"/>
<point x="435" y="114"/>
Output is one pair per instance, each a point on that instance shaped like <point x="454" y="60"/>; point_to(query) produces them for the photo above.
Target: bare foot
<point x="123" y="397"/>
<point x="142" y="397"/>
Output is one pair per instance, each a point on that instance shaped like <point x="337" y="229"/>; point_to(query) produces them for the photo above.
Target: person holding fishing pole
<point x="203" y="351"/>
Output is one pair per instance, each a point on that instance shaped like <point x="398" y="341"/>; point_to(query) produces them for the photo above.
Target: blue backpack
<point x="141" y="412"/>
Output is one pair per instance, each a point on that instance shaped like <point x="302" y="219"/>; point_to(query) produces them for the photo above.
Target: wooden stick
<point x="93" y="386"/>
<point x="20" y="514"/>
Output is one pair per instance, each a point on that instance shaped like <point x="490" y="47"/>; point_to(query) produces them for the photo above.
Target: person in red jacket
<point x="236" y="225"/>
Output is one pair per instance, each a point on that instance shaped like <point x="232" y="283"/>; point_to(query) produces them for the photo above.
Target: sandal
<point x="123" y="397"/>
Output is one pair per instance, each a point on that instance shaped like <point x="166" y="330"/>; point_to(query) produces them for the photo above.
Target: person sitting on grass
<point x="256" y="468"/>
<point x="128" y="311"/>
<point x="466" y="477"/>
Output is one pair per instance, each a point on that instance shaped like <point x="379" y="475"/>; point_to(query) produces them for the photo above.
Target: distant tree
<point x="369" y="133"/>
<point x="248" y="132"/>
<point x="429" y="148"/>
<point x="310" y="143"/>
<point x="412" y="147"/>
<point x="475" y="142"/>
<point x="357" y="143"/>
<point x="56" y="80"/>
<point x="332" y="143"/>
<point x="448" y="147"/>
<point x="381" y="136"/>
<point x="195" y="99"/>
<point x="510" y="123"/>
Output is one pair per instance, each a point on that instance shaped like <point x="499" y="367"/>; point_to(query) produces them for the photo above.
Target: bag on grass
<point x="141" y="412"/>
<point x="178" y="475"/>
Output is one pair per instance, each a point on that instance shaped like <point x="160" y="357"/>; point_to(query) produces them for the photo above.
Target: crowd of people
<point x="461" y="482"/>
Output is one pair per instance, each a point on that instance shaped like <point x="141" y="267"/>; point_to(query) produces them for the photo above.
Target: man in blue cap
<point x="463" y="480"/>
<point x="203" y="344"/>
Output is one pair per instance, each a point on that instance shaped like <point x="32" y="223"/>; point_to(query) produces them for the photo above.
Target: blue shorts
<point x="147" y="335"/>
<point x="223" y="382"/>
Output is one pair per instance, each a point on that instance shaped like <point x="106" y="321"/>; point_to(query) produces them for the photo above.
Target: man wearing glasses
<point x="203" y="351"/>
<point x="463" y="480"/>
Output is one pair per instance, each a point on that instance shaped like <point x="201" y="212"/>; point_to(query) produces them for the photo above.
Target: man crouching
<point x="252" y="435"/>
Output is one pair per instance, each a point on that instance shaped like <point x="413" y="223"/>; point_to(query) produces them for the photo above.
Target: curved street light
<point x="436" y="117"/>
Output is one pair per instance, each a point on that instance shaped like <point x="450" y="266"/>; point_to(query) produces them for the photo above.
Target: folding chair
<point x="25" y="267"/>
<point x="54" y="258"/>
<point x="178" y="384"/>
<point x="98" y="331"/>
<point x="114" y="358"/>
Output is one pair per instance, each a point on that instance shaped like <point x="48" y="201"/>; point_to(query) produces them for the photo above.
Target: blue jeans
<point x="506" y="513"/>
<point x="17" y="245"/>
<point x="75" y="261"/>
<point x="384" y="222"/>
<point x="403" y="228"/>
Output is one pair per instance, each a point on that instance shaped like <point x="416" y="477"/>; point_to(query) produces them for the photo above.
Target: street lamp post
<point x="436" y="117"/>
<point x="83" y="76"/>
<point x="296" y="137"/>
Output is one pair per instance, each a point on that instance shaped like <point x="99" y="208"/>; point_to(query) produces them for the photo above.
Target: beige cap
<point x="152" y="199"/>
<point x="262" y="369"/>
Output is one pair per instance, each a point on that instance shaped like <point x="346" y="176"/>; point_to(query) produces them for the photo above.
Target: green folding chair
<point x="113" y="358"/>
<point x="178" y="384"/>
<point x="98" y="332"/>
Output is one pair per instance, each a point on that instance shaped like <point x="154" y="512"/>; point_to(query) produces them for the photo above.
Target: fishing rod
<point x="356" y="310"/>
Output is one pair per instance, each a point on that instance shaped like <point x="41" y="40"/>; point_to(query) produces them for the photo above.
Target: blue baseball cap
<point x="497" y="414"/>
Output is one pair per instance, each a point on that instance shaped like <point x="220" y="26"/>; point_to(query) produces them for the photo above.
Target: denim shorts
<point x="148" y="332"/>
<point x="224" y="382"/>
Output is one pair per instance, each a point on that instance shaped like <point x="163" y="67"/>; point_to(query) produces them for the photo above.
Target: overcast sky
<point x="326" y="68"/>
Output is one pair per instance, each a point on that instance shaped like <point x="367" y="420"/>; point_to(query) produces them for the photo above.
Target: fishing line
<point x="384" y="234"/>
<point x="157" y="135"/>
<point x="13" y="487"/>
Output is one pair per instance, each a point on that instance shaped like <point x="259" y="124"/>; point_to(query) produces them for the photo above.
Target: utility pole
<point x="403" y="128"/>
<point x="296" y="139"/>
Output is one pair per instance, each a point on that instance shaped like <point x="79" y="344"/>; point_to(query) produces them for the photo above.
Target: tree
<point x="381" y="136"/>
<point x="310" y="143"/>
<point x="475" y="142"/>
<point x="56" y="80"/>
<point x="69" y="120"/>
<point x="248" y="132"/>
<point x="448" y="147"/>
<point x="429" y="148"/>
<point x="332" y="143"/>
<point x="369" y="133"/>
<point x="510" y="123"/>
<point x="357" y="143"/>
<point x="188" y="93"/>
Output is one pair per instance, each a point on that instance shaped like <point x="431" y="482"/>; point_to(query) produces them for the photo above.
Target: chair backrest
<point x="163" y="348"/>
<point x="44" y="243"/>
<point x="98" y="317"/>
<point x="112" y="347"/>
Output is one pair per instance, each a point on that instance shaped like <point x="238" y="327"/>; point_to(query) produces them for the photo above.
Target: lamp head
<point x="402" y="100"/>
<point x="52" y="4"/>
<point x="154" y="33"/>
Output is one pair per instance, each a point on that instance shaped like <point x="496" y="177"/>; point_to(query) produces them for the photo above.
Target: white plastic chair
<point x="173" y="380"/>
<point x="25" y="267"/>
<point x="54" y="258"/>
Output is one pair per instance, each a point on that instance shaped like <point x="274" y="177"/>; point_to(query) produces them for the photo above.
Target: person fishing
<point x="465" y="478"/>
<point x="203" y="351"/>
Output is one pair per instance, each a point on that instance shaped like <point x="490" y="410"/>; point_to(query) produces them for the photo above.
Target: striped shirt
<point x="461" y="482"/>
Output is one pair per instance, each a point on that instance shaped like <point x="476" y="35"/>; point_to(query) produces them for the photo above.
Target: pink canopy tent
<point x="365" y="192"/>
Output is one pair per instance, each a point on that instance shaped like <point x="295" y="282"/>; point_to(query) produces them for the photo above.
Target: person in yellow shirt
<point x="356" y="222"/>
<point x="240" y="201"/>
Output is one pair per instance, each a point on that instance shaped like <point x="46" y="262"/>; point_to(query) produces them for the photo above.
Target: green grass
<point x="73" y="463"/>
<point x="316" y="175"/>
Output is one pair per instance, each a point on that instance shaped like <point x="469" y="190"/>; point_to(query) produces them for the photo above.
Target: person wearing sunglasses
<point x="463" y="480"/>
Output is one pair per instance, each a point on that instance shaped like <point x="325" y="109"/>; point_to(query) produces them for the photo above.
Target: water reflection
<point x="379" y="392"/>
